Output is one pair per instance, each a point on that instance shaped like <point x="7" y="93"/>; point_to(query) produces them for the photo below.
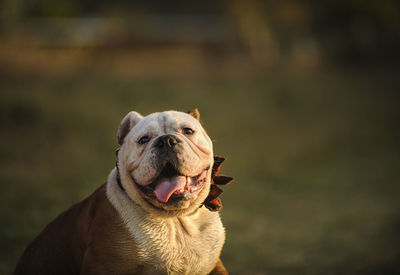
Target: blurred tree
<point x="254" y="31"/>
<point x="300" y="32"/>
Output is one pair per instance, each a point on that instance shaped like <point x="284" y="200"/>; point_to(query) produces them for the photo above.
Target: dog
<point x="148" y="218"/>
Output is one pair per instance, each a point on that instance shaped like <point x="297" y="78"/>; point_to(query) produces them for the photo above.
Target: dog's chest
<point x="189" y="245"/>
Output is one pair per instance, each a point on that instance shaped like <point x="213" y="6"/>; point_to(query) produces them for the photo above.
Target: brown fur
<point x="195" y="113"/>
<point x="89" y="238"/>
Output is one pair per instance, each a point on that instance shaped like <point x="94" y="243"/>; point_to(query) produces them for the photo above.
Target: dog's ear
<point x="195" y="113"/>
<point x="127" y="123"/>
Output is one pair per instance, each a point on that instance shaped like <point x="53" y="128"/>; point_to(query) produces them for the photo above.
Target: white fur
<point x="137" y="159"/>
<point x="137" y="162"/>
<point x="188" y="244"/>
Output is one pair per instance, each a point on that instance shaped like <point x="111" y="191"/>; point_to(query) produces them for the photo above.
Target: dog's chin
<point x="173" y="193"/>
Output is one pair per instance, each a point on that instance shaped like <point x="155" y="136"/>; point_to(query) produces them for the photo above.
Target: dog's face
<point x="165" y="161"/>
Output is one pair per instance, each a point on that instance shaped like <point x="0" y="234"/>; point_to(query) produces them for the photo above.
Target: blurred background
<point x="302" y="97"/>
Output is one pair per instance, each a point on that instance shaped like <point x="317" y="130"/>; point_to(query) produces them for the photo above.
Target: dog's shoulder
<point x="109" y="241"/>
<point x="66" y="245"/>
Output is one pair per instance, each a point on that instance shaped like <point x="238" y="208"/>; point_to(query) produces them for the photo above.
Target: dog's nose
<point x="167" y="141"/>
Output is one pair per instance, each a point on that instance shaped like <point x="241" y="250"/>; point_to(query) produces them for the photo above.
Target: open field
<point x="315" y="156"/>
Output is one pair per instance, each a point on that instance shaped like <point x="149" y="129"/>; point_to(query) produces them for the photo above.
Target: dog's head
<point x="165" y="161"/>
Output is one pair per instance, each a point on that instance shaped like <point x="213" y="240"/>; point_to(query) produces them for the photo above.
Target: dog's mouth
<point x="171" y="185"/>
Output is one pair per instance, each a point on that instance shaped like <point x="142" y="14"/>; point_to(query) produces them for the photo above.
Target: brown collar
<point x="213" y="202"/>
<point x="118" y="177"/>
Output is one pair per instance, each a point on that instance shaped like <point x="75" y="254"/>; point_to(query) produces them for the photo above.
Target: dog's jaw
<point x="170" y="185"/>
<point x="175" y="206"/>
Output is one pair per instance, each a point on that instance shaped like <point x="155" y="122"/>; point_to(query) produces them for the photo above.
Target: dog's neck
<point x="116" y="193"/>
<point x="157" y="237"/>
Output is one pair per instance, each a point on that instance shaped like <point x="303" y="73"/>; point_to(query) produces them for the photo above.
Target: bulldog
<point x="149" y="217"/>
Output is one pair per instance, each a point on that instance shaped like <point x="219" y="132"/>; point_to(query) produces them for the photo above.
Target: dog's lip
<point x="192" y="186"/>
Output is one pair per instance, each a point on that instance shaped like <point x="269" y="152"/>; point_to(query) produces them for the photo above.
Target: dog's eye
<point x="143" y="140"/>
<point x="187" y="131"/>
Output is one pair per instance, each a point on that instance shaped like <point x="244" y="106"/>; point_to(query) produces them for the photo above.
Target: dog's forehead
<point x="175" y="118"/>
<point x="167" y="121"/>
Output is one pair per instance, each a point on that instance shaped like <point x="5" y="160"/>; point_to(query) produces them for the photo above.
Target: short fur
<point x="117" y="231"/>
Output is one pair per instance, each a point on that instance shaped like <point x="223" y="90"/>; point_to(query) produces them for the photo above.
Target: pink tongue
<point x="167" y="186"/>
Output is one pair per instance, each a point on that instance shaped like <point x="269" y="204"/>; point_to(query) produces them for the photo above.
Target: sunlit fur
<point x="172" y="241"/>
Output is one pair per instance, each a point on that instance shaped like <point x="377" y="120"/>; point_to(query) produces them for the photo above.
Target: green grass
<point x="314" y="155"/>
